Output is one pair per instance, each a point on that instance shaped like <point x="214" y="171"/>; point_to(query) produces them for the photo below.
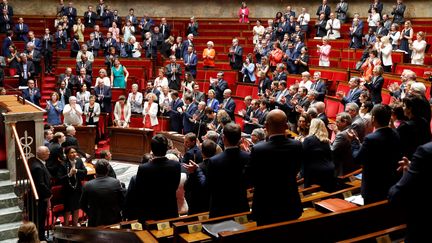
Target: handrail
<point x="25" y="162"/>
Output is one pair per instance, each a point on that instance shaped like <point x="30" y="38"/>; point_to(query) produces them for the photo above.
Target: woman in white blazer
<point x="122" y="113"/>
<point x="385" y="48"/>
<point x="418" y="48"/>
<point x="150" y="110"/>
<point x="92" y="111"/>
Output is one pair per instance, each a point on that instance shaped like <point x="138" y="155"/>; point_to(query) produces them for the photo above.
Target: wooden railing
<point x="24" y="185"/>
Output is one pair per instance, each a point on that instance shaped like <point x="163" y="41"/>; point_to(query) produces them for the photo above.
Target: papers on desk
<point x="229" y="225"/>
<point x="357" y="199"/>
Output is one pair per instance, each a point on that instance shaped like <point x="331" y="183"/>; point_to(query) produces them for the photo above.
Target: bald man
<point x="273" y="169"/>
<point x="41" y="178"/>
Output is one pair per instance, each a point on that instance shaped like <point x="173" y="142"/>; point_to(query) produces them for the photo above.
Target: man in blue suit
<point x="375" y="85"/>
<point x="353" y="95"/>
<point x="219" y="86"/>
<point x="32" y="93"/>
<point x="235" y="55"/>
<point x="21" y="30"/>
<point x="174" y="112"/>
<point x="273" y="173"/>
<point x="225" y="177"/>
<point x="228" y="104"/>
<point x="379" y="155"/>
<point x="6" y="43"/>
<point x="71" y="13"/>
<point x="190" y="61"/>
<point x="188" y="112"/>
<point x="319" y="86"/>
<point x="35" y="41"/>
<point x="186" y="44"/>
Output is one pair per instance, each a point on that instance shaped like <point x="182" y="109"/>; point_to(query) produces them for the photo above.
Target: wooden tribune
<point x="85" y="135"/>
<point x="129" y="144"/>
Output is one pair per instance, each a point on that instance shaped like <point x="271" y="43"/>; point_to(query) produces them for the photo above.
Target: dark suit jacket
<point x="273" y="175"/>
<point x="185" y="47"/>
<point x="4" y="24"/>
<point x="173" y="75"/>
<point x="105" y="99"/>
<point x="157" y="182"/>
<point x="79" y="81"/>
<point x="61" y="39"/>
<point x="192" y="62"/>
<point x="70" y="83"/>
<point x="353" y="96"/>
<point x="221" y="86"/>
<point x="21" y="33"/>
<point x="188" y="126"/>
<point x="326" y="11"/>
<point x="102" y="199"/>
<point x="320" y="26"/>
<point x="36" y="96"/>
<point x="30" y="69"/>
<point x="176" y="123"/>
<point x="379" y="154"/>
<point x="375" y="88"/>
<point x="167" y="32"/>
<point x="75" y="48"/>
<point x="406" y="194"/>
<point x="342" y="155"/>
<point x="47" y="44"/>
<point x="71" y="14"/>
<point x="199" y="96"/>
<point x="193" y="154"/>
<point x="94" y="46"/>
<point x="413" y="133"/>
<point x="90" y="21"/>
<point x="5" y="46"/>
<point x="356" y="38"/>
<point x="87" y="65"/>
<point x="236" y="58"/>
<point x="398" y="14"/>
<point x="67" y="94"/>
<point x="227" y="182"/>
<point x="320" y="87"/>
<point x="229" y="107"/>
<point x="41" y="177"/>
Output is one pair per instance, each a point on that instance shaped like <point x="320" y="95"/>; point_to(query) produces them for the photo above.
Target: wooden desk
<point x="85" y="135"/>
<point x="129" y="144"/>
<point x="177" y="139"/>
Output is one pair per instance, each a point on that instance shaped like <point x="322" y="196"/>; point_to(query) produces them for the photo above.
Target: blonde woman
<point x="324" y="53"/>
<point x="406" y="37"/>
<point x="318" y="167"/>
<point x="122" y="112"/>
<point x="418" y="48"/>
<point x="150" y="110"/>
<point x="209" y="55"/>
<point x="385" y="49"/>
<point x="103" y="76"/>
<point x="161" y="80"/>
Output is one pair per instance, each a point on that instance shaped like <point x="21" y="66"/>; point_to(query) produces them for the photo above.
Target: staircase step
<point x="4" y="175"/>
<point x="8" y="200"/>
<point x="12" y="214"/>
<point x="9" y="231"/>
<point x="6" y="187"/>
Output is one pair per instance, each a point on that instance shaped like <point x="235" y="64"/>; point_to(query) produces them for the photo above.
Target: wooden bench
<point x="393" y="234"/>
<point x="329" y="227"/>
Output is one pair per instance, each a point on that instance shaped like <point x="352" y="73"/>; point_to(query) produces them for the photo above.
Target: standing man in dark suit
<point x="26" y="70"/>
<point x="378" y="5"/>
<point x="319" y="86"/>
<point x="34" y="56"/>
<point x="191" y="61"/>
<point x="5" y="5"/>
<point x="379" y="155"/>
<point x="32" y="93"/>
<point x="174" y="113"/>
<point x="235" y="55"/>
<point x="164" y="28"/>
<point x="219" y="86"/>
<point x="406" y="193"/>
<point x="7" y="41"/>
<point x="228" y="104"/>
<point x="226" y="178"/>
<point x="375" y="85"/>
<point x="61" y="38"/>
<point x="103" y="94"/>
<point x="353" y="95"/>
<point x="324" y="9"/>
<point x="6" y="22"/>
<point x="158" y="180"/>
<point x="398" y="12"/>
<point x="273" y="174"/>
<point x="173" y="72"/>
<point x="100" y="9"/>
<point x="188" y="112"/>
<point x="193" y="152"/>
<point x="104" y="189"/>
<point x="71" y="13"/>
<point x="197" y="95"/>
<point x="21" y="30"/>
<point x="93" y="45"/>
<point x="41" y="178"/>
<point x="320" y="25"/>
<point x="356" y="34"/>
<point x="90" y="17"/>
<point x="47" y="51"/>
<point x="186" y="44"/>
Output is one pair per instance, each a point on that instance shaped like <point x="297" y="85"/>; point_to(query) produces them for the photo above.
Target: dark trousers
<point x="39" y="217"/>
<point x="48" y="55"/>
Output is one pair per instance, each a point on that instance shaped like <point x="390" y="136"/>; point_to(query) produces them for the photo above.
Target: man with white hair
<point x="228" y="103"/>
<point x="186" y="44"/>
<point x="26" y="70"/>
<point x="320" y="108"/>
<point x="34" y="56"/>
<point x="68" y="78"/>
<point x="333" y="26"/>
<point x="72" y="113"/>
<point x="419" y="89"/>
<point x="42" y="180"/>
<point x="84" y="51"/>
<point x="319" y="86"/>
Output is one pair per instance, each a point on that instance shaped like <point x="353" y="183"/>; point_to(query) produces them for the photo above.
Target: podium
<point x="85" y="135"/>
<point x="129" y="144"/>
<point x="28" y="120"/>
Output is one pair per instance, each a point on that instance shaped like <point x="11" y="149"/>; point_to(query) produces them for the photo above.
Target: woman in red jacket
<point x="243" y="13"/>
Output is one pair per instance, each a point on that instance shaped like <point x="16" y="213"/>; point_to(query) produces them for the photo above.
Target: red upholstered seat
<point x="332" y="107"/>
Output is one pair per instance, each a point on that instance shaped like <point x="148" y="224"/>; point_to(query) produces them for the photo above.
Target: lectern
<point x="28" y="120"/>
